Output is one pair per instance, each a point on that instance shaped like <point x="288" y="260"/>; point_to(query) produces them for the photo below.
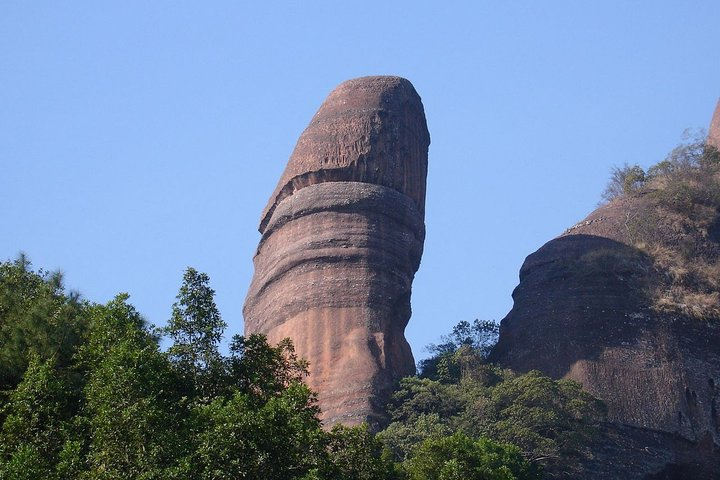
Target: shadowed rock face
<point x="714" y="133"/>
<point x="582" y="311"/>
<point x="342" y="237"/>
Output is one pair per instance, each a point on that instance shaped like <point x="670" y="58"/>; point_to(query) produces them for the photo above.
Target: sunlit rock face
<point x="342" y="237"/>
<point x="714" y="133"/>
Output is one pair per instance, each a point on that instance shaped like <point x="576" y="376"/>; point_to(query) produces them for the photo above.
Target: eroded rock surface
<point x="342" y="237"/>
<point x="580" y="312"/>
<point x="587" y="308"/>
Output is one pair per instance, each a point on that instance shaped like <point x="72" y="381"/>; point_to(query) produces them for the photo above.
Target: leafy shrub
<point x="550" y="421"/>
<point x="623" y="181"/>
<point x="459" y="457"/>
<point x="404" y="437"/>
<point x="676" y="223"/>
<point x="546" y="418"/>
<point x="357" y="454"/>
<point x="467" y="346"/>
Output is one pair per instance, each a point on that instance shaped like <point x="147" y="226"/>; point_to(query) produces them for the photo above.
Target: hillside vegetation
<point x="671" y="214"/>
<point x="87" y="393"/>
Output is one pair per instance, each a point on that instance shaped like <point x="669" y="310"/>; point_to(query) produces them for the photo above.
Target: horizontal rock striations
<point x="342" y="237"/>
<point x="368" y="130"/>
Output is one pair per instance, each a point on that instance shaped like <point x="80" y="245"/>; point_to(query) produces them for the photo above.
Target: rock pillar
<point x="342" y="237"/>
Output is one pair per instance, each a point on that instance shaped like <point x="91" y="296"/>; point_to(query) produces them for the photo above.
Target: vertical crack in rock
<point x="342" y="237"/>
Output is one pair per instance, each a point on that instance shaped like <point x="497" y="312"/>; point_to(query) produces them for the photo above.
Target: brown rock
<point x="581" y="312"/>
<point x="369" y="130"/>
<point x="714" y="133"/>
<point x="342" y="237"/>
<point x="587" y="308"/>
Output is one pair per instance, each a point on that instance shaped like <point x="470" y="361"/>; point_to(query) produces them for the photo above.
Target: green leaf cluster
<point x="37" y="316"/>
<point x="551" y="423"/>
<point x="459" y="457"/>
<point x="461" y="352"/>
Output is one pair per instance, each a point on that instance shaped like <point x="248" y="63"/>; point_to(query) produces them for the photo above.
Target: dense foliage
<point x="37" y="315"/>
<point x="467" y="344"/>
<point x="460" y="457"/>
<point x="88" y="394"/>
<point x="550" y="423"/>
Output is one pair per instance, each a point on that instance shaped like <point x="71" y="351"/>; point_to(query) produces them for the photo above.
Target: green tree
<point x="624" y="180"/>
<point x="552" y="422"/>
<point x="459" y="457"/>
<point x="134" y="413"/>
<point x="265" y="422"/>
<point x="547" y="419"/>
<point x="36" y="315"/>
<point x="403" y="438"/>
<point x="467" y="347"/>
<point x="261" y="370"/>
<point x="196" y="329"/>
<point x="280" y="439"/>
<point x="417" y="396"/>
<point x="99" y="400"/>
<point x="37" y="422"/>
<point x="357" y="454"/>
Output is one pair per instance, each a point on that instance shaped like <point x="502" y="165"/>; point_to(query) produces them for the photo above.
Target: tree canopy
<point x="88" y="393"/>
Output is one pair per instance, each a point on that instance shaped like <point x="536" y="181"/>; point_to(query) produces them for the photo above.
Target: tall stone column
<point x="342" y="237"/>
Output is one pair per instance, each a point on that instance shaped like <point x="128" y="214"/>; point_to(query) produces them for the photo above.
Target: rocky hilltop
<point x="626" y="303"/>
<point x="342" y="237"/>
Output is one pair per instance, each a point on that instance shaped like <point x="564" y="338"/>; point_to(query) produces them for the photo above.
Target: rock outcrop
<point x="625" y="302"/>
<point x="342" y="237"/>
<point x="582" y="311"/>
<point x="714" y="133"/>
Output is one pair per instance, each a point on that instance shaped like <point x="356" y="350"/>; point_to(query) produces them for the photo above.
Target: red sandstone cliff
<point x="626" y="302"/>
<point x="342" y="237"/>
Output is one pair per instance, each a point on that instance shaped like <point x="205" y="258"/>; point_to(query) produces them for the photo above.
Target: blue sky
<point x="137" y="138"/>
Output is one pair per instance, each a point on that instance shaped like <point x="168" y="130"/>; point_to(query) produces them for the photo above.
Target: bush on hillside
<point x="673" y="217"/>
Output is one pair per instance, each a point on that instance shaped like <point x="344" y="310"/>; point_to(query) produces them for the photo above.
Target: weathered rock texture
<point x="580" y="312"/>
<point x="714" y="133"/>
<point x="589" y="307"/>
<point x="342" y="237"/>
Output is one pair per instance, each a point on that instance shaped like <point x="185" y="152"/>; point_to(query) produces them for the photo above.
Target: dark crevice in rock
<point x="352" y="173"/>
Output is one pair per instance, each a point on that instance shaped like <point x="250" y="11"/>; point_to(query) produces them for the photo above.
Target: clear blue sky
<point x="137" y="138"/>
